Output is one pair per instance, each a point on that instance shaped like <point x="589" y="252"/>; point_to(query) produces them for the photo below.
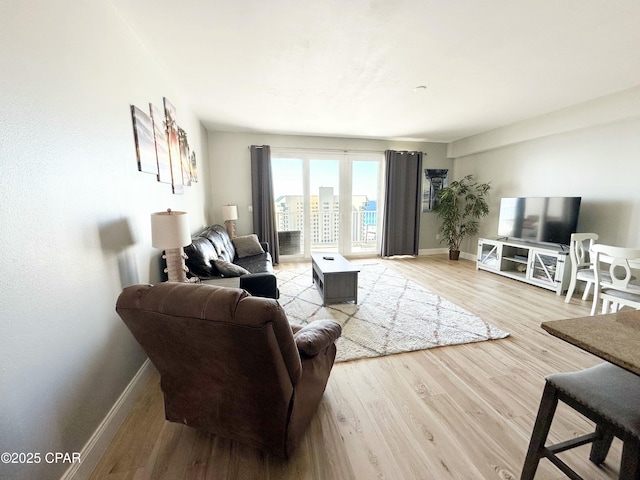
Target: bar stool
<point x="607" y="395"/>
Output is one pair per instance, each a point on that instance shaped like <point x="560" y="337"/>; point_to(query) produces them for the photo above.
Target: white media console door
<point x="545" y="266"/>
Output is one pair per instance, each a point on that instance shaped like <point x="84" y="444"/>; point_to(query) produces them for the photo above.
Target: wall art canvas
<point x="161" y="144"/>
<point x="434" y="179"/>
<point x="145" y="143"/>
<point x="194" y="168"/>
<point x="174" y="147"/>
<point x="184" y="157"/>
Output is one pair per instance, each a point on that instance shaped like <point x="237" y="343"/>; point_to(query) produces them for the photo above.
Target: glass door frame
<point x="352" y="158"/>
<point x="345" y="160"/>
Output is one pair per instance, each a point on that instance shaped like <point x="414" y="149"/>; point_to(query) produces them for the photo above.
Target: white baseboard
<point x="469" y="256"/>
<point x="432" y="251"/>
<point x="99" y="441"/>
<point x="438" y="251"/>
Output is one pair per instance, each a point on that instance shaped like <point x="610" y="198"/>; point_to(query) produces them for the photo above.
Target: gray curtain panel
<point x="401" y="224"/>
<point x="264" y="215"/>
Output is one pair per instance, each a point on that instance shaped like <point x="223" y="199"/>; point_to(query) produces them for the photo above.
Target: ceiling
<point x="350" y="67"/>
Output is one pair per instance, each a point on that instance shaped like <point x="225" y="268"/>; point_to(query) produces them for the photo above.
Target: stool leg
<point x="547" y="409"/>
<point x="600" y="447"/>
<point x="630" y="464"/>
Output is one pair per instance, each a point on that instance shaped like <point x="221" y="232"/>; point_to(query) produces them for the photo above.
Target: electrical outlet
<point x="437" y="236"/>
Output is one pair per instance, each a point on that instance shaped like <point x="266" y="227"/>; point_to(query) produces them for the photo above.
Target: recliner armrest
<point x="317" y="336"/>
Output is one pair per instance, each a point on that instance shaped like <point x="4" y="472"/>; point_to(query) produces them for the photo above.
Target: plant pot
<point x="454" y="254"/>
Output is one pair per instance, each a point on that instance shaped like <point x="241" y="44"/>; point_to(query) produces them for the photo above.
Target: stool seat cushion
<point x="607" y="389"/>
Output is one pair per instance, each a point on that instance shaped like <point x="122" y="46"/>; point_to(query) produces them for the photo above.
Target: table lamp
<point x="230" y="215"/>
<point x="170" y="232"/>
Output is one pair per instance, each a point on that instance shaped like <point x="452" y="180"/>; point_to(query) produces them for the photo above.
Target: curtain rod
<point x="324" y="150"/>
<point x="333" y="150"/>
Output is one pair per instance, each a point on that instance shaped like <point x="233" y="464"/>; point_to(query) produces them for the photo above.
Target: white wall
<point x="572" y="152"/>
<point x="231" y="169"/>
<point x="69" y="191"/>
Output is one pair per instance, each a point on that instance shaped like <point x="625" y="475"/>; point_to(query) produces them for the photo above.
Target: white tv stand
<point x="543" y="265"/>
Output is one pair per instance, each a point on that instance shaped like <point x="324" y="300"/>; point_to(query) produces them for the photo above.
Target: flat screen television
<point x="539" y="219"/>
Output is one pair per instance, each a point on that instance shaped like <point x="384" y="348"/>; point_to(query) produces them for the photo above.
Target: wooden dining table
<point x="614" y="337"/>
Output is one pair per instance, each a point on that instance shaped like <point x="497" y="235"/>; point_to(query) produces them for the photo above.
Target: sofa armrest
<point x="265" y="246"/>
<point x="260" y="284"/>
<point x="316" y="337"/>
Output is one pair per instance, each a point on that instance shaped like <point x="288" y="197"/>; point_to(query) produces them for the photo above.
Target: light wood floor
<point x="459" y="412"/>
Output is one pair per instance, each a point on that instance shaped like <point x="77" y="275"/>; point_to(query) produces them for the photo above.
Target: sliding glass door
<point x="289" y="193"/>
<point x="365" y="195"/>
<point x="324" y="202"/>
<point x="327" y="202"/>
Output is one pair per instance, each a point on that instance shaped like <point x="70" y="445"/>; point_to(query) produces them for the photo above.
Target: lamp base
<point x="231" y="228"/>
<point x="176" y="269"/>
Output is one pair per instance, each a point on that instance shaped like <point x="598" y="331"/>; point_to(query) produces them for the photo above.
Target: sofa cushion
<point x="228" y="269"/>
<point x="247" y="246"/>
<point x="256" y="263"/>
<point x="219" y="237"/>
<point x="201" y="257"/>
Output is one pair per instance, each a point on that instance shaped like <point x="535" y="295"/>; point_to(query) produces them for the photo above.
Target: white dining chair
<point x="581" y="265"/>
<point x="619" y="287"/>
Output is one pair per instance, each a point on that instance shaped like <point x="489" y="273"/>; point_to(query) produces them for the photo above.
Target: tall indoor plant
<point x="460" y="206"/>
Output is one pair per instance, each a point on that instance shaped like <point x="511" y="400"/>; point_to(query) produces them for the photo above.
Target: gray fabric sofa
<point x="243" y="262"/>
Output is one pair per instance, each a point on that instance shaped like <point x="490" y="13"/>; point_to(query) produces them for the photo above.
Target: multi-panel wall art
<point x="162" y="147"/>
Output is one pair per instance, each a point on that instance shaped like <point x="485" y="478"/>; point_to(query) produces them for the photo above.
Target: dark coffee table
<point x="335" y="278"/>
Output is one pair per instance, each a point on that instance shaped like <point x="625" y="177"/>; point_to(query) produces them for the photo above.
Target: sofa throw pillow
<point x="247" y="245"/>
<point x="316" y="336"/>
<point x="228" y="269"/>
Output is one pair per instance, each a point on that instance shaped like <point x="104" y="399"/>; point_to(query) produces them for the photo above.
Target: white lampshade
<point x="170" y="229"/>
<point x="229" y="212"/>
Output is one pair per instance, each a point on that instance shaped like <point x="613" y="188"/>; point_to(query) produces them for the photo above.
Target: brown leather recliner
<point x="230" y="363"/>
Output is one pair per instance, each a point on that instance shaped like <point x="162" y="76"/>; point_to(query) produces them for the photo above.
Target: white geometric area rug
<point x="393" y="314"/>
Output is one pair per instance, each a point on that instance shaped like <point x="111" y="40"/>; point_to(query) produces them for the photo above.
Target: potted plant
<point x="460" y="206"/>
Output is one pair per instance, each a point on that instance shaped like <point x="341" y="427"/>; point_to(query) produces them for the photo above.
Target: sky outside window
<point x="287" y="177"/>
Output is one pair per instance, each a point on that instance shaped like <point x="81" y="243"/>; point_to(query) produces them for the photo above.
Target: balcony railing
<point x="324" y="231"/>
